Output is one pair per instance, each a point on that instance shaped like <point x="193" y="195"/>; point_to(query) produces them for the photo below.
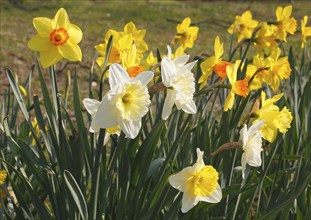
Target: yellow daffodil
<point x="131" y="62"/>
<point x="137" y="36"/>
<point x="305" y="31"/>
<point x="239" y="87"/>
<point x="252" y="145"/>
<point x="57" y="38"/>
<point x="214" y="63"/>
<point x="284" y="23"/>
<point x="279" y="69"/>
<point x="265" y="40"/>
<point x="243" y="26"/>
<point x="149" y="62"/>
<point x="198" y="183"/>
<point x="3" y="175"/>
<point x="177" y="76"/>
<point x="186" y="34"/>
<point x="275" y="120"/>
<point x="120" y="43"/>
<point x="125" y="104"/>
<point x="258" y="79"/>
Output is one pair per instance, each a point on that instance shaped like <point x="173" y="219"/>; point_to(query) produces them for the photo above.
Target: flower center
<point x="127" y="99"/>
<point x="204" y="183"/>
<point x="59" y="36"/>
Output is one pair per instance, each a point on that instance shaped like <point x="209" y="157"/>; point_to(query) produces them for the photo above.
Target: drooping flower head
<point x="251" y="140"/>
<point x="239" y="87"/>
<point x="186" y="34"/>
<point x="177" y="76"/>
<point x="126" y="102"/>
<point x="56" y="38"/>
<point x="275" y="120"/>
<point x="214" y="63"/>
<point x="305" y="31"/>
<point x="243" y="26"/>
<point x="198" y="183"/>
<point x="284" y="22"/>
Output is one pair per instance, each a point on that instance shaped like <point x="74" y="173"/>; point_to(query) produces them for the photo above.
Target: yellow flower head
<point x="275" y="120"/>
<point x="149" y="61"/>
<point x="57" y="38"/>
<point x="3" y="175"/>
<point x="198" y="183"/>
<point x="285" y="23"/>
<point x="265" y="39"/>
<point x="137" y="36"/>
<point x="214" y="63"/>
<point x="305" y="31"/>
<point x="258" y="79"/>
<point x="243" y="26"/>
<point x="131" y="62"/>
<point x="239" y="87"/>
<point x="186" y="34"/>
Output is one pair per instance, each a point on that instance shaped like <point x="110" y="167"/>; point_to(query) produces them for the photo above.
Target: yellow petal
<point x="219" y="49"/>
<point x="139" y="35"/>
<point x="287" y="11"/>
<point x="129" y="28"/>
<point x="125" y="42"/>
<point x="229" y="101"/>
<point x="38" y="43"/>
<point x="43" y="25"/>
<point x="61" y="19"/>
<point x="50" y="57"/>
<point x="70" y="51"/>
<point x="75" y="33"/>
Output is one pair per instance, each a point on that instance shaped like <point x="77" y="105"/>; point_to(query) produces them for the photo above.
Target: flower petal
<point x="187" y="67"/>
<point x="43" y="25"/>
<point x="106" y="116"/>
<point x="168" y="71"/>
<point x="145" y="77"/>
<point x="50" y="57"/>
<point x="179" y="61"/>
<point x="189" y="107"/>
<point x="188" y="201"/>
<point x="243" y="163"/>
<point x="71" y="51"/>
<point x="130" y="128"/>
<point x="91" y="105"/>
<point x="168" y="104"/>
<point x="214" y="198"/>
<point x="39" y="43"/>
<point x="179" y="180"/>
<point x="117" y="76"/>
<point x="75" y="33"/>
<point x="61" y="19"/>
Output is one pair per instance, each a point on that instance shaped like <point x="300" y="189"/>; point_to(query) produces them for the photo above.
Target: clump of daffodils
<point x="198" y="182"/>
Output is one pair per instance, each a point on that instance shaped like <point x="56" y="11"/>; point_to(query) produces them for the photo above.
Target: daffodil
<point x="284" y="23"/>
<point x="239" y="87"/>
<point x="259" y="63"/>
<point x="91" y="105"/>
<point x="243" y="26"/>
<point x="186" y="34"/>
<point x="3" y="175"/>
<point x="137" y="36"/>
<point x="57" y="38"/>
<point x="177" y="76"/>
<point x="126" y="102"/>
<point x="149" y="62"/>
<point x="275" y="120"/>
<point x="251" y="140"/>
<point x="214" y="63"/>
<point x="198" y="183"/>
<point x="305" y="31"/>
<point x="131" y="62"/>
<point x="279" y="68"/>
<point x="265" y="40"/>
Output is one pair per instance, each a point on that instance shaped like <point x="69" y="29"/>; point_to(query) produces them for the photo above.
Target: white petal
<point x="255" y="127"/>
<point x="117" y="76"/>
<point x="189" y="107"/>
<point x="106" y="138"/>
<point x="91" y="105"/>
<point x="179" y="180"/>
<point x="145" y="77"/>
<point x="253" y="157"/>
<point x="168" y="71"/>
<point x="179" y="61"/>
<point x="185" y="68"/>
<point x="199" y="164"/>
<point x="214" y="198"/>
<point x="130" y="128"/>
<point x="243" y="163"/>
<point x="106" y="116"/>
<point x="188" y="202"/>
<point x="168" y="104"/>
<point x="169" y="52"/>
<point x="243" y="135"/>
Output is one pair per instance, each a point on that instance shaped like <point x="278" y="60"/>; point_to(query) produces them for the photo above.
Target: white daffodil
<point x="252" y="145"/>
<point x="91" y="105"/>
<point x="177" y="76"/>
<point x="126" y="102"/>
<point x="198" y="183"/>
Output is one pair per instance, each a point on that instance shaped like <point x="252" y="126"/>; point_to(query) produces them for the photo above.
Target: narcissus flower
<point x="149" y="61"/>
<point x="243" y="26"/>
<point x="3" y="175"/>
<point x="252" y="145"/>
<point x="239" y="87"/>
<point x="275" y="120"/>
<point x="198" y="183"/>
<point x="131" y="62"/>
<point x="305" y="31"/>
<point x="186" y="34"/>
<point x="137" y="36"/>
<point x="126" y="102"/>
<point x="214" y="63"/>
<point x="284" y="23"/>
<point x="57" y="38"/>
<point x="177" y="76"/>
<point x="265" y="40"/>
